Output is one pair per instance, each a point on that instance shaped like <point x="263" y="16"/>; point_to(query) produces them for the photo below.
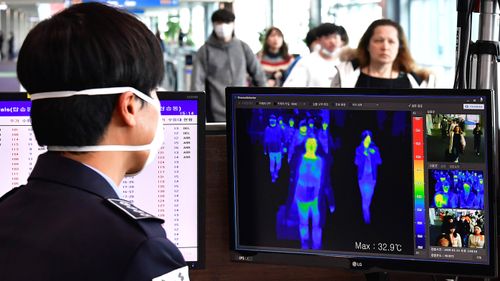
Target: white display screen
<point x="168" y="188"/>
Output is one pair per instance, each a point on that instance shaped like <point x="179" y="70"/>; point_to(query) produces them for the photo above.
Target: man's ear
<point x="127" y="108"/>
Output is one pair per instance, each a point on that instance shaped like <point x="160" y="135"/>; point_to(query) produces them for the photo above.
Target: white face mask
<point x="224" y="31"/>
<point x="328" y="53"/>
<point x="153" y="147"/>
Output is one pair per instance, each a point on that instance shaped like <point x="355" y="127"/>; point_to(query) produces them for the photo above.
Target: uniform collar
<point x="53" y="167"/>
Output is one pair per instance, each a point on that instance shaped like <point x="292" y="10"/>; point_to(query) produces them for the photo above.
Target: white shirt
<point x="312" y="71"/>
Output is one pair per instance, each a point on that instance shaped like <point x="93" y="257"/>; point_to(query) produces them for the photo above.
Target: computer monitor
<point x="170" y="188"/>
<point x="366" y="179"/>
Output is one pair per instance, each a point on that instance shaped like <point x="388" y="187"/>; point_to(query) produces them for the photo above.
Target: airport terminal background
<point x="430" y="26"/>
<point x="184" y="25"/>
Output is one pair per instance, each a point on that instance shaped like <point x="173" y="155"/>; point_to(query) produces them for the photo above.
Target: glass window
<point x="354" y="16"/>
<point x="431" y="35"/>
<point x="293" y="20"/>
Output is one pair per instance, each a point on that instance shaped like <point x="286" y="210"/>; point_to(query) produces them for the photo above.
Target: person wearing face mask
<point x="224" y="61"/>
<point x="382" y="60"/>
<point x="318" y="68"/>
<point x="91" y="71"/>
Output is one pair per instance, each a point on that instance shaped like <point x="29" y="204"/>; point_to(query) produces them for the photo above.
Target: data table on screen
<point x="18" y="146"/>
<point x="167" y="188"/>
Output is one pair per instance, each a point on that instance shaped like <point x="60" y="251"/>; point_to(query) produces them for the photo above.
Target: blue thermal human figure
<point x="298" y="139"/>
<point x="367" y="159"/>
<point x="470" y="196"/>
<point x="306" y="196"/>
<point x="479" y="189"/>
<point x="273" y="145"/>
<point x="289" y="133"/>
<point x="325" y="138"/>
<point x="444" y="196"/>
<point x="281" y="123"/>
<point x="311" y="130"/>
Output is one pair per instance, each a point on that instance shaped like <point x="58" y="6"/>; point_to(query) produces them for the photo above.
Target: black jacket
<point x="61" y="226"/>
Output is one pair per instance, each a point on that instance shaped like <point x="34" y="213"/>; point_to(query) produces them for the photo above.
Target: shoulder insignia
<point x="179" y="274"/>
<point x="132" y="211"/>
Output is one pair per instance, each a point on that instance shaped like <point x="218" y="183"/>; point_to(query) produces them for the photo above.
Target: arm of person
<point x="157" y="260"/>
<point x="254" y="68"/>
<point x="199" y="75"/>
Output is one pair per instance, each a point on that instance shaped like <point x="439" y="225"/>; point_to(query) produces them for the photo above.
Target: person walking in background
<point x="318" y="68"/>
<point x="274" y="57"/>
<point x="313" y="195"/>
<point x="312" y="43"/>
<point x="477" y="132"/>
<point x="382" y="60"/>
<point x="273" y="146"/>
<point x="10" y="47"/>
<point x="367" y="159"/>
<point x="224" y="61"/>
<point x="2" y="55"/>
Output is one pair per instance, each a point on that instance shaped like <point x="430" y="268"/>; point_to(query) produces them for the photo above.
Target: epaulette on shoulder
<point x="130" y="210"/>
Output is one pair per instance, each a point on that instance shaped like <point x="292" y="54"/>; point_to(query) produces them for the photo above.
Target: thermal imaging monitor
<point x="366" y="179"/>
<point x="170" y="188"/>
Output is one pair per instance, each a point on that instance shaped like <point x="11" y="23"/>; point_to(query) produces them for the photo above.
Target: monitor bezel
<point x="200" y="97"/>
<point x="367" y="265"/>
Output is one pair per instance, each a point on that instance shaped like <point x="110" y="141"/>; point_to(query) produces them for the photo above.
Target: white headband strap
<point x="90" y="92"/>
<point x="98" y="148"/>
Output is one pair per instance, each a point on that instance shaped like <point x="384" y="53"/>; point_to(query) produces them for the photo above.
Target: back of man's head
<point x="85" y="46"/>
<point x="223" y="15"/>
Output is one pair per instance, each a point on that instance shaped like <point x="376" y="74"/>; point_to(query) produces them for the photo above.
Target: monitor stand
<point x="376" y="276"/>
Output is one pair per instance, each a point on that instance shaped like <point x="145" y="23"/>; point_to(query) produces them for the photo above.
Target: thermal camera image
<point x="273" y="146"/>
<point x="323" y="179"/>
<point x="367" y="159"/>
<point x="462" y="189"/>
<point x="309" y="174"/>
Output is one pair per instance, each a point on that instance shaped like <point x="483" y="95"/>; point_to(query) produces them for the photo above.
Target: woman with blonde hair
<point x="382" y="60"/>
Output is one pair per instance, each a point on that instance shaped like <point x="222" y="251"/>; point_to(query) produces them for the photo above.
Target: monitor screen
<point x="170" y="188"/>
<point x="372" y="180"/>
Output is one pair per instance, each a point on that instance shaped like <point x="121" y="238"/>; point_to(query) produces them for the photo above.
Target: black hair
<point x="326" y="29"/>
<point x="223" y="15"/>
<point x="441" y="237"/>
<point x="311" y="36"/>
<point x="85" y="46"/>
<point x="343" y="35"/>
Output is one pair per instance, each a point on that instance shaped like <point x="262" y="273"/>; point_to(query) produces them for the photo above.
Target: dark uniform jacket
<point x="61" y="226"/>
